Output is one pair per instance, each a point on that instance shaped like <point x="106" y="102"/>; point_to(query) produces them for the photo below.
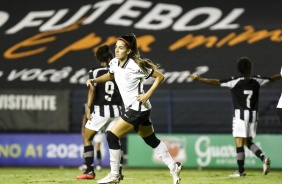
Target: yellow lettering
<point x="15" y="150"/>
<point x="85" y="43"/>
<point x="4" y="151"/>
<point x="225" y="39"/>
<point x="144" y="42"/>
<point x="191" y="42"/>
<point x="30" y="151"/>
<point x="110" y="41"/>
<point x="36" y="40"/>
<point x="39" y="150"/>
<point x="250" y="36"/>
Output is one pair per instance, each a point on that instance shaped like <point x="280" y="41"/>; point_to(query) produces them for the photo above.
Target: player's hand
<point x="194" y="77"/>
<point x="89" y="82"/>
<point x="142" y="97"/>
<point x="89" y="117"/>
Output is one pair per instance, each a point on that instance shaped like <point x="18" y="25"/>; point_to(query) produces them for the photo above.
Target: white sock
<point x="163" y="154"/>
<point x="115" y="161"/>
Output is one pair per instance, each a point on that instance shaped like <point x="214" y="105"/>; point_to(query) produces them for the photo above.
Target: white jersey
<point x="129" y="79"/>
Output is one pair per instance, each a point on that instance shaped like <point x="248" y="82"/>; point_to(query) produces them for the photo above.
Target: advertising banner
<point x="34" y="110"/>
<point x="53" y="43"/>
<point x="203" y="151"/>
<point x="45" y="150"/>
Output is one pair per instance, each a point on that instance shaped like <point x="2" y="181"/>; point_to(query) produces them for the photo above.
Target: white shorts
<point x="98" y="123"/>
<point x="99" y="137"/>
<point x="243" y="129"/>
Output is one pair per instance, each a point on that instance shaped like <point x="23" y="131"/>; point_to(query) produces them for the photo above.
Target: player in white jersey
<point x="129" y="71"/>
<point x="245" y="94"/>
<point x="105" y="100"/>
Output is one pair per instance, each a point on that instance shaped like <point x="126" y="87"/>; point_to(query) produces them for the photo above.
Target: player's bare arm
<point x="104" y="78"/>
<point x="90" y="99"/>
<point x="205" y="80"/>
<point x="275" y="77"/>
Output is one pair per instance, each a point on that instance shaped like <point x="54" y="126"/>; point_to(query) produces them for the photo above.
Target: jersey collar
<point x="124" y="64"/>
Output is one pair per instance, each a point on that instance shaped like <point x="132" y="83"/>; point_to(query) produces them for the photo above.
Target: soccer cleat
<point x="110" y="178"/>
<point x="99" y="168"/>
<point x="237" y="174"/>
<point x="266" y="165"/>
<point x="176" y="174"/>
<point x="86" y="175"/>
<point x="121" y="176"/>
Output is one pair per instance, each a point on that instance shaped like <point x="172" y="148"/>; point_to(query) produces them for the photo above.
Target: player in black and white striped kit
<point x="245" y="94"/>
<point x="105" y="101"/>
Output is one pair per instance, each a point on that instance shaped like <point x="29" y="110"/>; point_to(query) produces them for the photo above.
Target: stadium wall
<point x="193" y="150"/>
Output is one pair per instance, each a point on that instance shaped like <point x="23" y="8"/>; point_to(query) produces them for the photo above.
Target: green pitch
<point x="14" y="175"/>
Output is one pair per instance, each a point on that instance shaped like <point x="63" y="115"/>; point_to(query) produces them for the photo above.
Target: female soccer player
<point x="245" y="94"/>
<point x="129" y="71"/>
<point x="102" y="109"/>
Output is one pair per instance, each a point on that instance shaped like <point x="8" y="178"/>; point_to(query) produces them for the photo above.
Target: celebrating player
<point x="129" y="71"/>
<point x="245" y="93"/>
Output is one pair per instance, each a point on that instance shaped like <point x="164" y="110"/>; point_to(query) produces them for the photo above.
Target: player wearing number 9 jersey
<point x="105" y="100"/>
<point x="245" y="94"/>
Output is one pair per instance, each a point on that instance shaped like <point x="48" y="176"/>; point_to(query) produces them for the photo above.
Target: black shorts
<point x="137" y="118"/>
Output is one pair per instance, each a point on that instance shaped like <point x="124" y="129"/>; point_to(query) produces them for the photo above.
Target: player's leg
<point x="88" y="154"/>
<point x="239" y="132"/>
<point x="110" y="125"/>
<point x="121" y="166"/>
<point x="240" y="154"/>
<point x="255" y="149"/>
<point x="98" y="139"/>
<point x="91" y="128"/>
<point x="120" y="128"/>
<point x="258" y="152"/>
<point x="146" y="131"/>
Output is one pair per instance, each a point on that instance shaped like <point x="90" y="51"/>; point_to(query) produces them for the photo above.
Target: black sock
<point x="256" y="150"/>
<point x="89" y="157"/>
<point x="240" y="159"/>
<point x="98" y="157"/>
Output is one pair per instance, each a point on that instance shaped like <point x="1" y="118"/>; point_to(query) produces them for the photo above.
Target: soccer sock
<point x="98" y="152"/>
<point x="89" y="157"/>
<point x="121" y="162"/>
<point x="240" y="159"/>
<point x="256" y="150"/>
<point x="114" y="161"/>
<point x="115" y="152"/>
<point x="162" y="152"/>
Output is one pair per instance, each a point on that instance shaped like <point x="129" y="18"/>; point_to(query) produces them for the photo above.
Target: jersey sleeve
<point x="150" y="73"/>
<point x="229" y="83"/>
<point x="92" y="74"/>
<point x="262" y="80"/>
<point x="112" y="66"/>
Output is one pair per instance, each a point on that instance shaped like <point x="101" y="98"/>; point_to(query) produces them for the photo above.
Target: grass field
<point x="13" y="175"/>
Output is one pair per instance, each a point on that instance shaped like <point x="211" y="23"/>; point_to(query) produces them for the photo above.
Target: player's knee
<point x="113" y="141"/>
<point x="249" y="144"/>
<point x="152" y="140"/>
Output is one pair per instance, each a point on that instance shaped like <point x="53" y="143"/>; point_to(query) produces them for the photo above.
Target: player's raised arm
<point x="275" y="77"/>
<point x="205" y="80"/>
